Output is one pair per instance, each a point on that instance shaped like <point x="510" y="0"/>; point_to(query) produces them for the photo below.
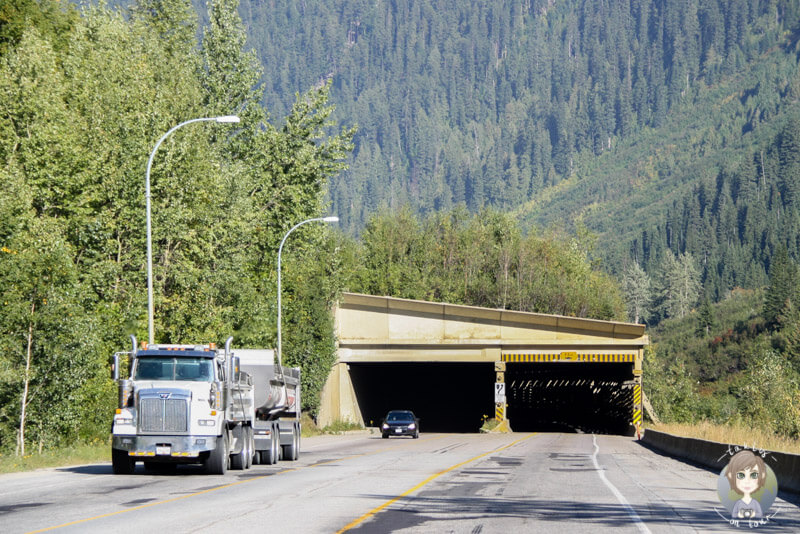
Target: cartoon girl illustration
<point x="746" y="474"/>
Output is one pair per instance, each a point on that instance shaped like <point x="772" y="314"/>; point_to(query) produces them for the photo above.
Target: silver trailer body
<point x="277" y="404"/>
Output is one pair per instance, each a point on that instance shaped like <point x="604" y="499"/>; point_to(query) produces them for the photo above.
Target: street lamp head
<point x="227" y="118"/>
<point x="332" y="218"/>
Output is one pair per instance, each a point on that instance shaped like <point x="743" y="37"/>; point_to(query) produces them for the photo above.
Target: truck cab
<point x="183" y="404"/>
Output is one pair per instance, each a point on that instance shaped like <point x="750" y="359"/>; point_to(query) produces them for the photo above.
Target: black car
<point x="400" y="423"/>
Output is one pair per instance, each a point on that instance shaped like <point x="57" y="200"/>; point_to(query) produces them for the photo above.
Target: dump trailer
<point x="197" y="404"/>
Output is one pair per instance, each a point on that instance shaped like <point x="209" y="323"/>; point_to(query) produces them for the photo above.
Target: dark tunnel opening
<point x="570" y="397"/>
<point x="447" y="397"/>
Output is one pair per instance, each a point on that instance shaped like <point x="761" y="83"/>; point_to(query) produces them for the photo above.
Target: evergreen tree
<point x="705" y="318"/>
<point x="681" y="284"/>
<point x="636" y="288"/>
<point x="783" y="276"/>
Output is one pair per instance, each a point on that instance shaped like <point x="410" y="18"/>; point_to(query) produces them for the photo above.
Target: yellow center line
<point x="424" y="482"/>
<point x="209" y="490"/>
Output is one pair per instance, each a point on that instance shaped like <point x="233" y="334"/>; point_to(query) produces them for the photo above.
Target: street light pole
<point x="280" y="249"/>
<point x="221" y="119"/>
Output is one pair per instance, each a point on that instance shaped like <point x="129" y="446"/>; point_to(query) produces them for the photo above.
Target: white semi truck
<point x="200" y="404"/>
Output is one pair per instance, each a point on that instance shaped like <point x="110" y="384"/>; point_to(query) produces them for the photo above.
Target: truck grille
<point x="163" y="415"/>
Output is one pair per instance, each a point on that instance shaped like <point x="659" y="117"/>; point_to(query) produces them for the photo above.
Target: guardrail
<point x="715" y="456"/>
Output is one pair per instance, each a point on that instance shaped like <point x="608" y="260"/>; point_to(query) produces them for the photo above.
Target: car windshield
<point x="400" y="416"/>
<point x="163" y="368"/>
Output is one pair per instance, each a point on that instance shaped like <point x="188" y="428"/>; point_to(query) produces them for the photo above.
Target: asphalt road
<point x="360" y="483"/>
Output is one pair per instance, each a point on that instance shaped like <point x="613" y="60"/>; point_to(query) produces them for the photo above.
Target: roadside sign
<point x="499" y="392"/>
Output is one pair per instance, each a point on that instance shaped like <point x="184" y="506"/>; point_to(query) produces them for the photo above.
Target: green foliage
<point x="482" y="260"/>
<point x="680" y="285"/>
<point x="670" y="387"/>
<point x="78" y="119"/>
<point x="636" y="288"/>
<point x="740" y="374"/>
<point x="705" y="318"/>
<point x="770" y="395"/>
<point x="782" y="291"/>
<point x="488" y="103"/>
<point x="51" y="18"/>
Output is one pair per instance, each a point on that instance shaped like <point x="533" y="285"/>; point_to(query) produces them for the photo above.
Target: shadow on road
<point x="95" y="469"/>
<point x="424" y="513"/>
<point x="785" y="495"/>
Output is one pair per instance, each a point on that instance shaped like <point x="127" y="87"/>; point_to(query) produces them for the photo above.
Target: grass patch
<point x="732" y="434"/>
<point x="489" y="424"/>
<point x="337" y="427"/>
<point x="91" y="453"/>
<point x="308" y="427"/>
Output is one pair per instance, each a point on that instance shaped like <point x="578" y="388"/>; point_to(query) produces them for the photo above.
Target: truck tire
<point x="237" y="460"/>
<point x="244" y="459"/>
<point x="217" y="461"/>
<point x="122" y="463"/>
<point x="292" y="451"/>
<point x="270" y="456"/>
<point x="251" y="447"/>
<point x="256" y="454"/>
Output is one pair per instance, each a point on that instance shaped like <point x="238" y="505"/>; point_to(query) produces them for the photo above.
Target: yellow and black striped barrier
<point x="568" y="357"/>
<point x="637" y="404"/>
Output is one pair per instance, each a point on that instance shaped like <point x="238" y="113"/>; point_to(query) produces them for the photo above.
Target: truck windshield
<point x="163" y="368"/>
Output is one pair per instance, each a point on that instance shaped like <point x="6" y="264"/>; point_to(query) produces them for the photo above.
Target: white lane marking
<point x="620" y="497"/>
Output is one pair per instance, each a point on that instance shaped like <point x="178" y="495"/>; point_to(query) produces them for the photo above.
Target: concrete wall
<point x="715" y="456"/>
<point x="339" y="401"/>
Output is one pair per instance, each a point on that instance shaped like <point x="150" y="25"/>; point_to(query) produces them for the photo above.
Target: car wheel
<point x="416" y="435"/>
<point x="385" y="436"/>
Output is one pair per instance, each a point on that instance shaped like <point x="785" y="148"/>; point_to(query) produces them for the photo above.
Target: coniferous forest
<point x="609" y="159"/>
<point x="666" y="131"/>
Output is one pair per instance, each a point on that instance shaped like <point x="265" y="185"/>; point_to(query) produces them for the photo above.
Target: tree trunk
<point x="26" y="381"/>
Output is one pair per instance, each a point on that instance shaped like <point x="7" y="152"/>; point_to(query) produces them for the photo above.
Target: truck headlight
<point x="206" y="422"/>
<point x="123" y="417"/>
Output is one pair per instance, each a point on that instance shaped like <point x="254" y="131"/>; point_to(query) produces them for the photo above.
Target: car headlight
<point x="385" y="426"/>
<point x="412" y="426"/>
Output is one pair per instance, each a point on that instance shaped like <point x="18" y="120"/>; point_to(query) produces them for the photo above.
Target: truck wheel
<point x="256" y="455"/>
<point x="270" y="456"/>
<point x="237" y="460"/>
<point x="122" y="463"/>
<point x="291" y="451"/>
<point x="217" y="461"/>
<point x="251" y="447"/>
